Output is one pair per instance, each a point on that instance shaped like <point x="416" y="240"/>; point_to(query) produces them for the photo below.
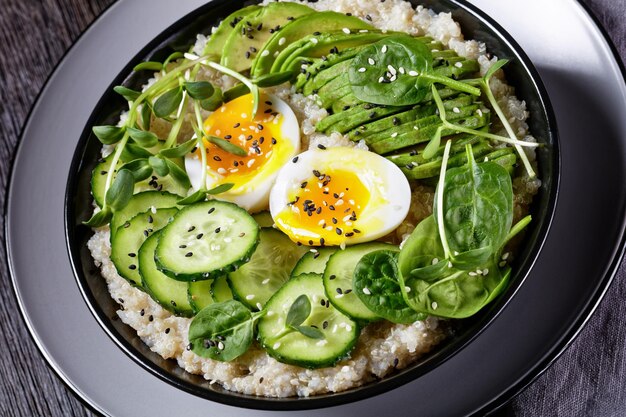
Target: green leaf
<point x="142" y="137"/>
<point x="108" y="135"/>
<point x="100" y="218"/>
<point x="309" y="331"/>
<point x="127" y="93"/>
<point x="180" y="150"/>
<point x="222" y="331"/>
<point x="299" y="311"/>
<point x="375" y="282"/>
<point x="173" y="57"/>
<point x="273" y="79"/>
<point x="494" y="68"/>
<point x="146" y="115"/>
<point x="235" y="91"/>
<point x="478" y="211"/>
<point x="372" y="63"/>
<point x="140" y="168"/>
<point x="168" y="102"/>
<point x="132" y="151"/>
<point x="214" y="102"/>
<point x="148" y="66"/>
<point x="196" y="197"/>
<point x="199" y="90"/>
<point x="121" y="190"/>
<point x="226" y="146"/>
<point x="178" y="174"/>
<point x="222" y="188"/>
<point x="159" y="165"/>
<point x="433" y="145"/>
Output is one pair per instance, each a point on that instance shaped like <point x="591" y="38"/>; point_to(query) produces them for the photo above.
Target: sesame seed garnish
<point x="371" y="61"/>
<point x="132" y="254"/>
<point x="218" y="230"/>
<point x="167" y="330"/>
<point x="362" y="69"/>
<point x="384" y="49"/>
<point x="294" y="160"/>
<point x="366" y="291"/>
<point x="249" y="297"/>
<point x="320" y="146"/>
<point x="211" y="210"/>
<point x="346" y="31"/>
<point x="132" y="267"/>
<point x="339" y="290"/>
<point x="189" y="254"/>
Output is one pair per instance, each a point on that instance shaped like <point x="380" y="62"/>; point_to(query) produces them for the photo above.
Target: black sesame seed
<point x="304" y="184"/>
<point x="142" y="312"/>
<point x="322" y="302"/>
<point x="261" y="380"/>
<point x="132" y="254"/>
<point x="259" y="126"/>
<point x="348" y="291"/>
<point x="322" y="241"/>
<point x="199" y="235"/>
<point x="372" y="115"/>
<point x="320" y="146"/>
<point x="339" y="290"/>
<point x="316" y="255"/>
<point x="331" y="207"/>
<point x="339" y="231"/>
<point x="334" y="220"/>
<point x="346" y="108"/>
<point x="126" y="225"/>
<point x="294" y="160"/>
<point x="190" y="346"/>
<point x="150" y="317"/>
<point x="368" y="17"/>
<point x="218" y="230"/>
<point x="182" y="246"/>
<point x="220" y="337"/>
<point x="211" y="210"/>
<point x="189" y="254"/>
<point x="332" y="277"/>
<point x="325" y="324"/>
<point x="132" y="267"/>
<point x="395" y="121"/>
<point x="191" y="229"/>
<point x="413" y="153"/>
<point x="395" y="361"/>
<point x="167" y="330"/>
<point x="103" y="172"/>
<point x="310" y="242"/>
<point x="356" y="230"/>
<point x="247" y="54"/>
<point x="250" y="36"/>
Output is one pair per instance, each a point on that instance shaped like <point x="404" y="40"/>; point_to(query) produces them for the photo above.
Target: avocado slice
<point x="252" y="32"/>
<point x="215" y="44"/>
<point x="299" y="28"/>
<point x="326" y="76"/>
<point x="324" y="63"/>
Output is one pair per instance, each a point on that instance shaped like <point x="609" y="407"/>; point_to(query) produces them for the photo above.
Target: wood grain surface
<point x="34" y="35"/>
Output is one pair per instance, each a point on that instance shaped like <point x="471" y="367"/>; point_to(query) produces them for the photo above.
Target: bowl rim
<point x="380" y="386"/>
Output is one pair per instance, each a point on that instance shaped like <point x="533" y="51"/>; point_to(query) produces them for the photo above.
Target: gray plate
<point x="588" y="94"/>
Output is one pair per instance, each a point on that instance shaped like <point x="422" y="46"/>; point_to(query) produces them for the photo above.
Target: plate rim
<point x="568" y="337"/>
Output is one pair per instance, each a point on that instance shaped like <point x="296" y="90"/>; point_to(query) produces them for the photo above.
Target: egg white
<point x="253" y="195"/>
<point x="390" y="192"/>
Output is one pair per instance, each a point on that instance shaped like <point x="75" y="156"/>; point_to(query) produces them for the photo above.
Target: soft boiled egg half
<point x="338" y="196"/>
<point x="270" y="139"/>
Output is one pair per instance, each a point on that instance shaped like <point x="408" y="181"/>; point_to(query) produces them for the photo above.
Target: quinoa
<point x="382" y="347"/>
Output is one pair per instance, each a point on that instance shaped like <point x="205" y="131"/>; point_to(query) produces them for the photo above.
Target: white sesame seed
<point x="276" y="53"/>
<point x="346" y="31"/>
<point x="362" y="69"/>
<point x="221" y="171"/>
<point x="393" y="78"/>
<point x="265" y="53"/>
<point x="416" y="128"/>
<point x="329" y="228"/>
<point x="259" y="306"/>
<point x="435" y="261"/>
<point x="321" y="342"/>
<point x="282" y="41"/>
<point x="472" y="274"/>
<point x="348" y="328"/>
<point x="485" y="271"/>
<point x="249" y="296"/>
<point x="413" y="73"/>
<point x="250" y="163"/>
<point x="381" y="79"/>
<point x="456" y="110"/>
<point x="351" y="202"/>
<point x="480" y="112"/>
<point x="154" y="210"/>
<point x="265" y="281"/>
<point x="458" y="65"/>
<point x="434" y="305"/>
<point x="371" y="61"/>
<point x="449" y="264"/>
<point x="367" y="291"/>
<point x="276" y="345"/>
<point x="384" y="49"/>
<point x="220" y="346"/>
<point x="314" y="41"/>
<point x="391" y="69"/>
<point x="363" y="31"/>
<point x="334" y="329"/>
<point x="434" y="50"/>
<point x="394" y="134"/>
<point x="407" y="289"/>
<point x="506" y="256"/>
<point x="343" y="244"/>
<point x="502" y="264"/>
<point x="401" y="70"/>
<point x="486" y="159"/>
<point x="339" y="295"/>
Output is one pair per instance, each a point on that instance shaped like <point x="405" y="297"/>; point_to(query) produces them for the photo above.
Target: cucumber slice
<point x="199" y="294"/>
<point x="264" y="219"/>
<point x="206" y="240"/>
<point x="140" y="203"/>
<point x="376" y="284"/>
<point x="220" y="289"/>
<point x="313" y="262"/>
<point x="171" y="294"/>
<point x="269" y="268"/>
<point x="126" y="243"/>
<point x="340" y="332"/>
<point x="338" y="279"/>
<point x="155" y="182"/>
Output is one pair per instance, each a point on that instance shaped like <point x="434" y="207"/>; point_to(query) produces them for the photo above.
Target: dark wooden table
<point x="34" y="35"/>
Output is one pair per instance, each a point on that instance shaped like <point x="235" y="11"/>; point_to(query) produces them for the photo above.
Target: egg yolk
<point x="326" y="207"/>
<point x="258" y="136"/>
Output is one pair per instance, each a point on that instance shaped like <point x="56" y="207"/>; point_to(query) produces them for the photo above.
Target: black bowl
<point x="475" y="25"/>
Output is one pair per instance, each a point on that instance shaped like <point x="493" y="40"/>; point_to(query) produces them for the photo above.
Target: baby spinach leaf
<point x="168" y="102"/>
<point x="375" y="281"/>
<point x="375" y="75"/>
<point x="477" y="211"/>
<point x="222" y="331"/>
<point x="299" y="311"/>
<point x="142" y="137"/>
<point x="108" y="135"/>
<point x="121" y="190"/>
<point x="460" y="294"/>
